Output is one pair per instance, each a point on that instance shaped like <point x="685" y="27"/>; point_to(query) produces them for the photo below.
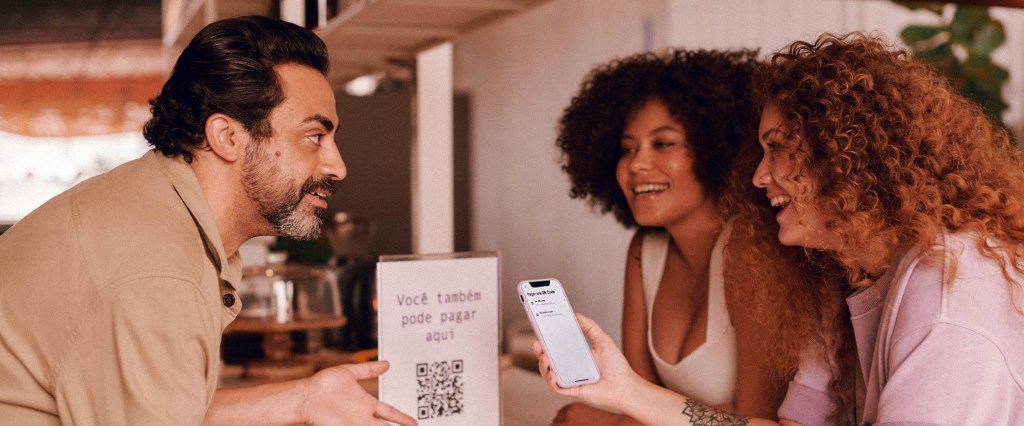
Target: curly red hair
<point x="795" y="295"/>
<point x="897" y="156"/>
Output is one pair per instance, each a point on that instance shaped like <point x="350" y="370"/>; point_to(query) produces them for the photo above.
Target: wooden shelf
<point x="367" y="35"/>
<point x="364" y="36"/>
<point x="182" y="19"/>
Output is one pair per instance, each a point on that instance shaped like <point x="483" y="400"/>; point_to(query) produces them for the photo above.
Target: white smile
<point x="321" y="195"/>
<point x="780" y="201"/>
<point x="648" y="188"/>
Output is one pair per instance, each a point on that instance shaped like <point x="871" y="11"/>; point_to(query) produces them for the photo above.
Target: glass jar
<point x="285" y="292"/>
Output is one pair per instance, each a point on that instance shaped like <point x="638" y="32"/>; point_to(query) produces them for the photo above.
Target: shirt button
<point x="229" y="300"/>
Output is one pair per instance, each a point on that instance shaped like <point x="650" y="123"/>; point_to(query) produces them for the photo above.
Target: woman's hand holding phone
<point x="555" y="325"/>
<point x="620" y="388"/>
<point x="619" y="383"/>
<point x="599" y="375"/>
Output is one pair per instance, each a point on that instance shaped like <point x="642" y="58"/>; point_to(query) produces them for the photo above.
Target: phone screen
<point x="555" y="325"/>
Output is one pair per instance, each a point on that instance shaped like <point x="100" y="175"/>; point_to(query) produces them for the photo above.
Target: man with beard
<point x="116" y="292"/>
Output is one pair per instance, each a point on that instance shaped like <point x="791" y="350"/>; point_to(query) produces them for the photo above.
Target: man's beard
<point x="279" y="201"/>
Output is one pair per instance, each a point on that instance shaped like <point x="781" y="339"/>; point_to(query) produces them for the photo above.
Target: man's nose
<point x="331" y="164"/>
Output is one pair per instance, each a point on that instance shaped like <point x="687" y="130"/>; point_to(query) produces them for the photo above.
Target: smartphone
<point x="555" y="325"/>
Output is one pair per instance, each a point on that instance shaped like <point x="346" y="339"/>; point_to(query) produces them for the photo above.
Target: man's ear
<point x="226" y="137"/>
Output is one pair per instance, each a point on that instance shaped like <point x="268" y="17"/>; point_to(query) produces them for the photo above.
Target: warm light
<point x="35" y="168"/>
<point x="364" y="85"/>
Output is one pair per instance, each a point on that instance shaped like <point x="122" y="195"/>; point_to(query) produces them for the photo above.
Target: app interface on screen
<point x="564" y="339"/>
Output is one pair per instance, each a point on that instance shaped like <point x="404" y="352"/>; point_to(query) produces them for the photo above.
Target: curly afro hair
<point x="706" y="91"/>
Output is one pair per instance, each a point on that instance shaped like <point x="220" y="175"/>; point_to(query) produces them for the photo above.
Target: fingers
<point x="585" y="322"/>
<point x="391" y="414"/>
<point x="543" y="364"/>
<point x="551" y="377"/>
<point x="367" y="370"/>
<point x="592" y="330"/>
<point x="537" y="348"/>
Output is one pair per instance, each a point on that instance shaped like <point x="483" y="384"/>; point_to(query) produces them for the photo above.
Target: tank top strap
<point x="653" y="253"/>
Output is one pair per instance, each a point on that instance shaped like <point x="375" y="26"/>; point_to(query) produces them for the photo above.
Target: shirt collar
<point x="191" y="193"/>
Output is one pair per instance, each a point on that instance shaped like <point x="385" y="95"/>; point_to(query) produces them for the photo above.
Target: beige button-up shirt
<point x="113" y="298"/>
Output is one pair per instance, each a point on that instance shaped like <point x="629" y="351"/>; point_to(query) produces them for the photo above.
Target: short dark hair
<point x="706" y="91"/>
<point x="229" y="68"/>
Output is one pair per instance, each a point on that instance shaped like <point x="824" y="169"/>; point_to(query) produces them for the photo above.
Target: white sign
<point x="439" y="329"/>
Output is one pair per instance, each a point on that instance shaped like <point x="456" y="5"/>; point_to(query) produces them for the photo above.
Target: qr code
<point x="440" y="389"/>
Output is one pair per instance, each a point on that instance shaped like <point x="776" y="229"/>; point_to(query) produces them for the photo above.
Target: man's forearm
<point x="272" y="404"/>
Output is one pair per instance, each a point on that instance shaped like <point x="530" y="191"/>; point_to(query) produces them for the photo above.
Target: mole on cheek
<point x="277" y="153"/>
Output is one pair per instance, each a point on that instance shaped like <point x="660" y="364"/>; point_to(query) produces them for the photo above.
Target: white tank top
<point x="707" y="374"/>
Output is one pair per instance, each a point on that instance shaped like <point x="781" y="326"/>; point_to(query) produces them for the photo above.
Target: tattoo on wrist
<point x="702" y="415"/>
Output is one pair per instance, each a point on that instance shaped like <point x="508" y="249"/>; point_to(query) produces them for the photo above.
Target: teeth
<point x="779" y="200"/>
<point x="649" y="187"/>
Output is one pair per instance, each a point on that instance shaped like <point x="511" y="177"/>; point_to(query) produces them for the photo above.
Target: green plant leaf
<point x="934" y="7"/>
<point x="973" y="31"/>
<point x="966" y="21"/>
<point x="989" y="79"/>
<point x="941" y="56"/>
<point x="992" y="103"/>
<point x="984" y="85"/>
<point x="988" y="38"/>
<point x="1000" y="74"/>
<point x="984" y="82"/>
<point x="915" y="34"/>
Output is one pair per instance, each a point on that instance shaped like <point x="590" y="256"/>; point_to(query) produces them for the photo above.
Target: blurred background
<point x="448" y="108"/>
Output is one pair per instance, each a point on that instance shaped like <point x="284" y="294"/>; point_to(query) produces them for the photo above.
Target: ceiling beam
<point x="400" y="31"/>
<point x="994" y="3"/>
<point x="504" y="5"/>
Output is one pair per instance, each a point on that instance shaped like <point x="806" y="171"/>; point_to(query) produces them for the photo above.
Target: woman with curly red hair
<point x="666" y="143"/>
<point x="877" y="164"/>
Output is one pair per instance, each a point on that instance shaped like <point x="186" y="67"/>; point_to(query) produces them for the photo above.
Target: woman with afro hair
<point x="877" y="165"/>
<point x="667" y="144"/>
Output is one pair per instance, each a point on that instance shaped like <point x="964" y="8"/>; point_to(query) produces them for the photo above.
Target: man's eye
<point x="315" y="138"/>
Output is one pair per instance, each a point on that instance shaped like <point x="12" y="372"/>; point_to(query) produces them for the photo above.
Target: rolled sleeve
<point x="807" y="400"/>
<point x="143" y="355"/>
<point x="805" y="405"/>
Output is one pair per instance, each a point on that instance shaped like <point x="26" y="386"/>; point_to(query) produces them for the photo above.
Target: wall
<point x="1010" y="57"/>
<point x="522" y="72"/>
<point x="373" y="137"/>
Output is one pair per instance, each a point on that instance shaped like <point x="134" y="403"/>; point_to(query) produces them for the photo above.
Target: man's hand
<point x="331" y="397"/>
<point x="334" y="397"/>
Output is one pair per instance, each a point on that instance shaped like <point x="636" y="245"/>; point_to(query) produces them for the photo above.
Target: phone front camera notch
<point x="536" y="284"/>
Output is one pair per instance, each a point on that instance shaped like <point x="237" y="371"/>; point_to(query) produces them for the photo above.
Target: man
<point x="114" y="294"/>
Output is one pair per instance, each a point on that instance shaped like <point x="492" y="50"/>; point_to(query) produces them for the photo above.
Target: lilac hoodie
<point x="929" y="353"/>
